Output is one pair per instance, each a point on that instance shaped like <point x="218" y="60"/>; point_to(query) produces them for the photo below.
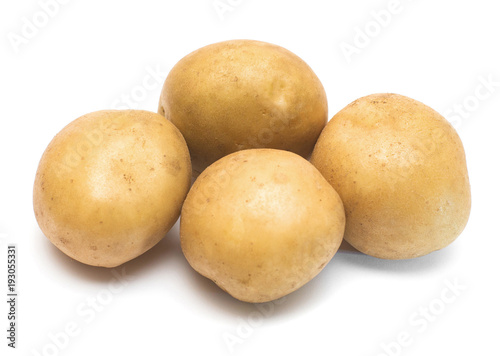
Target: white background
<point x="88" y="55"/>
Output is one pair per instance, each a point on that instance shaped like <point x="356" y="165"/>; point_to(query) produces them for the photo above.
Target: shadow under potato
<point x="322" y="286"/>
<point x="433" y="260"/>
<point x="139" y="265"/>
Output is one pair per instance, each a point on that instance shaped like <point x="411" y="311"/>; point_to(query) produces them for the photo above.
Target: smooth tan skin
<point x="400" y="170"/>
<point x="111" y="184"/>
<point x="243" y="94"/>
<point x="261" y="223"/>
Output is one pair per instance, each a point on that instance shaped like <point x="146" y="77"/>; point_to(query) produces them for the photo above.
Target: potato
<point x="111" y="184"/>
<point x="243" y="94"/>
<point x="261" y="223"/>
<point x="400" y="170"/>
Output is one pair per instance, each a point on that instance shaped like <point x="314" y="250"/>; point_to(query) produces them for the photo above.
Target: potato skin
<point x="111" y="184"/>
<point x="261" y="223"/>
<point x="242" y="94"/>
<point x="400" y="170"/>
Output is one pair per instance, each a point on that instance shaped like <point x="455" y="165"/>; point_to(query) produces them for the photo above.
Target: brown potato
<point x="400" y="170"/>
<point x="261" y="223"/>
<point x="243" y="94"/>
<point x="111" y="184"/>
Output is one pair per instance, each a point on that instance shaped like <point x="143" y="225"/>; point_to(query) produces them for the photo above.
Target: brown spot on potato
<point x="128" y="178"/>
<point x="175" y="165"/>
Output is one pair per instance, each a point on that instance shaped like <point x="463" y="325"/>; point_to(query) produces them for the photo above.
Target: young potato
<point x="242" y="94"/>
<point x="400" y="170"/>
<point x="261" y="223"/>
<point x="111" y="184"/>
